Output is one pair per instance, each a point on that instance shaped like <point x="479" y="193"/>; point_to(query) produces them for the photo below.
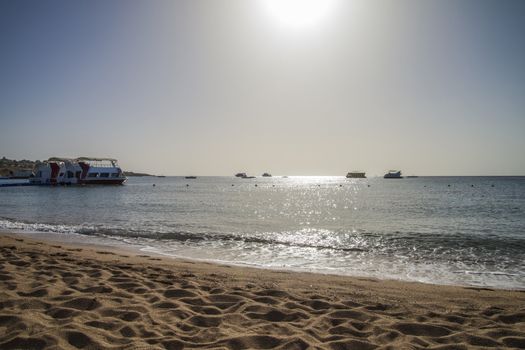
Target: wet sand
<point x="69" y="296"/>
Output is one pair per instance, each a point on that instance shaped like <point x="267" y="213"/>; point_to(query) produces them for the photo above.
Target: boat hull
<point x="103" y="182"/>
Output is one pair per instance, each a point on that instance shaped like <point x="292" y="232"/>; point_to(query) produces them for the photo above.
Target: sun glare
<point x="299" y="13"/>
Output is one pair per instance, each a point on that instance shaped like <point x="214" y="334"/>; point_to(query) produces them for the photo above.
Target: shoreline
<point x="116" y="245"/>
<point x="109" y="243"/>
<point x="73" y="295"/>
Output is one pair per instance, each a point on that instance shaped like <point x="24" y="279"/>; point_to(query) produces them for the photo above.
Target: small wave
<point x="180" y="236"/>
<point x="183" y="236"/>
<point x="12" y="225"/>
<point x="492" y="273"/>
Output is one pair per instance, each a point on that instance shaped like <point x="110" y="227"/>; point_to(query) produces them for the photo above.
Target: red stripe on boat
<point x="85" y="169"/>
<point x="55" y="168"/>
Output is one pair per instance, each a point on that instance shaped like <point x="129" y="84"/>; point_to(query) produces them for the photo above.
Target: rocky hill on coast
<point x="9" y="167"/>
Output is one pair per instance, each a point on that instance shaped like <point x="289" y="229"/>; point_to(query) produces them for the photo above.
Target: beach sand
<point x="67" y="296"/>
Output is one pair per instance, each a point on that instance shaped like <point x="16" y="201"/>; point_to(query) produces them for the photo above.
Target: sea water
<point x="444" y="230"/>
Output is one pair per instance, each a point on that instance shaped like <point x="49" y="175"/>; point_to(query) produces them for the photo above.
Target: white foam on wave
<point x="12" y="225"/>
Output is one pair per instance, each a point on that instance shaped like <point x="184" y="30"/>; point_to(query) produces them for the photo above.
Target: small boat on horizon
<point x="244" y="176"/>
<point x="266" y="175"/>
<point x="356" y="175"/>
<point x="190" y="177"/>
<point x="393" y="174"/>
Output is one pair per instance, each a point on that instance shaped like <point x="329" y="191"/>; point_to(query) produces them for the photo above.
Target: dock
<point x="17" y="184"/>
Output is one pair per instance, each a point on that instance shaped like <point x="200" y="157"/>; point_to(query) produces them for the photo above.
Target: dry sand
<point x="75" y="296"/>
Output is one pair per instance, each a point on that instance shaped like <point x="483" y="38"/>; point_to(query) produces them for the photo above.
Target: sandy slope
<point x="58" y="296"/>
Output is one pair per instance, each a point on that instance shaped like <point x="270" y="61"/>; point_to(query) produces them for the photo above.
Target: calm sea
<point x="445" y="230"/>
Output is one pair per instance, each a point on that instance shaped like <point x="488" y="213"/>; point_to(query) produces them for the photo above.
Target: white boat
<point x="79" y="171"/>
<point x="356" y="175"/>
<point x="393" y="174"/>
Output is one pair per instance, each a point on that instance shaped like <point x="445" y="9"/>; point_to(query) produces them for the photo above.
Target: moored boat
<point x="393" y="174"/>
<point x="356" y="175"/>
<point x="79" y="171"/>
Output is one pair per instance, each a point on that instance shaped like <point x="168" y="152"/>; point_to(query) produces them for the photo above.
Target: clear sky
<point x="316" y="87"/>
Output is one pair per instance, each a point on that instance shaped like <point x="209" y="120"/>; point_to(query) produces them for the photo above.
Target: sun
<point x="299" y="13"/>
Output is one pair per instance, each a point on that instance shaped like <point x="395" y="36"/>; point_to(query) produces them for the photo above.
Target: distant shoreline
<point x="134" y="174"/>
<point x="11" y="165"/>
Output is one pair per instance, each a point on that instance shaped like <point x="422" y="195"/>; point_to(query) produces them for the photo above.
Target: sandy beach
<point x="67" y="296"/>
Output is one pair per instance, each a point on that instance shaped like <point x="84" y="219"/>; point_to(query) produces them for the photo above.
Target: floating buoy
<point x="153" y="185"/>
<point x="448" y="185"/>
<point x="187" y="185"/>
<point x="368" y="185"/>
<point x="340" y="185"/>
<point x="255" y="185"/>
<point x="492" y="185"/>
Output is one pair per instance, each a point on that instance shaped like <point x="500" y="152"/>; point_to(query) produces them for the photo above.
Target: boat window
<point x="114" y="174"/>
<point x="70" y="174"/>
<point x="61" y="174"/>
<point x="39" y="174"/>
<point x="93" y="175"/>
<point x="104" y="174"/>
<point x="77" y="174"/>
